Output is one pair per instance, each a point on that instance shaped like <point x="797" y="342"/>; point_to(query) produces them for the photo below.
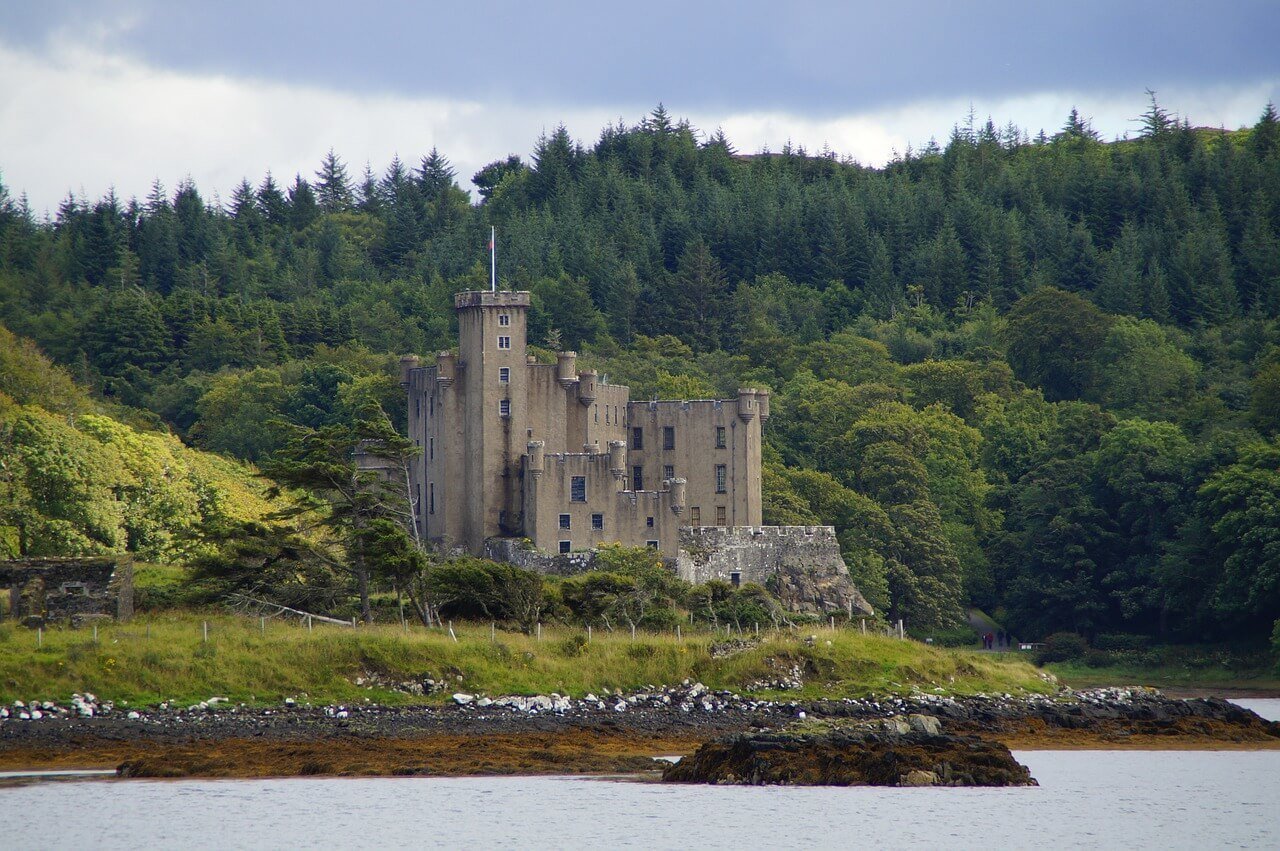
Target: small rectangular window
<point x="695" y="516"/>
<point x="606" y="414"/>
<point x="417" y="406"/>
<point x="637" y="438"/>
<point x="504" y="407"/>
<point x="668" y="472"/>
<point x="564" y="521"/>
<point x="735" y="579"/>
<point x="648" y="521"/>
<point x="721" y="517"/>
<point x="668" y="437"/>
<point x="653" y="544"/>
<point x="431" y="449"/>
<point x="720" y="437"/>
<point x="431" y="497"/>
<point x="720" y="478"/>
<point x="504" y="319"/>
<point x="432" y="412"/>
<point x="578" y="489"/>
<point x="417" y="498"/>
<point x="504" y="342"/>
<point x="565" y="546"/>
<point x="597" y="521"/>
<point x="637" y="478"/>
<point x="504" y="375"/>
<point x="595" y="412"/>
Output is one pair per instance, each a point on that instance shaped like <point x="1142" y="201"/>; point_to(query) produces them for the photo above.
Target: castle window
<point x="432" y="399"/>
<point x="504" y="342"/>
<point x="578" y="489"/>
<point x="431" y="449"/>
<point x="668" y="471"/>
<point x="417" y="406"/>
<point x="735" y="579"/>
<point x="637" y="478"/>
<point x="721" y="518"/>
<point x="417" y="498"/>
<point x="564" y="521"/>
<point x="668" y="437"/>
<point x="431" y="498"/>
<point x="648" y="521"/>
<point x="504" y="319"/>
<point x="504" y="375"/>
<point x="565" y="546"/>
<point x="597" y="521"/>
<point x="653" y="544"/>
<point x="695" y="516"/>
<point x="606" y="414"/>
<point x="504" y="407"/>
<point x="595" y="412"/>
<point x="720" y="478"/>
<point x="719" y="437"/>
<point x="637" y="438"/>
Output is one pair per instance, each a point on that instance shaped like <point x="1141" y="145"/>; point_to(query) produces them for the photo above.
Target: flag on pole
<point x="493" y="259"/>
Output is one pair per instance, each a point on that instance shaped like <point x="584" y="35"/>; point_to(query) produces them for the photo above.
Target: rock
<point x="916" y="777"/>
<point x="134" y="716"/>
<point x="925" y="724"/>
<point x="620" y="706"/>
<point x="850" y="758"/>
<point x="463" y="699"/>
<point x="36" y="715"/>
<point x="896" y="724"/>
<point x="288" y="701"/>
<point x="484" y="702"/>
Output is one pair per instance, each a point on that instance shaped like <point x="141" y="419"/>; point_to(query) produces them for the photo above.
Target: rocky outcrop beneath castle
<point x="802" y="565"/>
<point x="43" y="590"/>
<point x="853" y="758"/>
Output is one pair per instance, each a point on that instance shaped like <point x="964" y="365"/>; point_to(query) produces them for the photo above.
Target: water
<point x="1087" y="799"/>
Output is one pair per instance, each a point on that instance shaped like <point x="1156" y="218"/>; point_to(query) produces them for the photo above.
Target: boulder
<point x="856" y="757"/>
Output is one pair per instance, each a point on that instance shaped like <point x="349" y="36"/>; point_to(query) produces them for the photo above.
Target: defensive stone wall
<point x="802" y="565"/>
<point x="51" y="589"/>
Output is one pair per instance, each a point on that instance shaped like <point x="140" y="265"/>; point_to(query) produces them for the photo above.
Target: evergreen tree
<point x="333" y="186"/>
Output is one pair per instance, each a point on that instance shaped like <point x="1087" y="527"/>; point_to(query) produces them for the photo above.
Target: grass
<point x="164" y="657"/>
<point x="1080" y="675"/>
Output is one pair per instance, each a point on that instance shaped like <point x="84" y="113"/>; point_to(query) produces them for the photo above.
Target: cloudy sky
<point x="101" y="94"/>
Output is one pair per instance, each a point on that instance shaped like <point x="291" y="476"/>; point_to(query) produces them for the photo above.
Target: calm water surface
<point x="1089" y="799"/>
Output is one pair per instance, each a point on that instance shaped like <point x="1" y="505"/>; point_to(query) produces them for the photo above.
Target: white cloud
<point x="76" y="118"/>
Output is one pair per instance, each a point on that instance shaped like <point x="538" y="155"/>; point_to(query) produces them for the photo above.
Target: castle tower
<point x="492" y="375"/>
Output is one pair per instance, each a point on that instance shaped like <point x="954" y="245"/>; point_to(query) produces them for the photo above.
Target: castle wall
<point x="802" y="565"/>
<point x="696" y="457"/>
<point x="43" y="590"/>
<point x="626" y="517"/>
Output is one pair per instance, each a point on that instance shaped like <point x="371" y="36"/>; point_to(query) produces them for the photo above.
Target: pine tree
<point x="1265" y="138"/>
<point x="333" y="187"/>
<point x="303" y="208"/>
<point x="884" y="293"/>
<point x="435" y="175"/>
<point x="272" y="203"/>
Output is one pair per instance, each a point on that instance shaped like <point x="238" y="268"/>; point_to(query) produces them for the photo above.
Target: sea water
<point x="1086" y="799"/>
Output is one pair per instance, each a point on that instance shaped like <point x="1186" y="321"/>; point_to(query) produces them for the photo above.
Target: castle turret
<point x="763" y="398"/>
<point x="408" y="363"/>
<point x="537" y="457"/>
<point x="677" y="487"/>
<point x="746" y="404"/>
<point x="587" y="386"/>
<point x="567" y="368"/>
<point x="446" y="366"/>
<point x="618" y="458"/>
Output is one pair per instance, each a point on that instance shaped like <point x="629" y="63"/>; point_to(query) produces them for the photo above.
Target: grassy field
<point x="1210" y="678"/>
<point x="165" y="657"/>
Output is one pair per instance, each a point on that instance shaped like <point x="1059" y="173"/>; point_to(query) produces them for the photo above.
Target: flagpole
<point x="493" y="259"/>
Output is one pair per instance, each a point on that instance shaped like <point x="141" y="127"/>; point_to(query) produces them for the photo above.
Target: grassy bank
<point x="1173" y="677"/>
<point x="164" y="657"/>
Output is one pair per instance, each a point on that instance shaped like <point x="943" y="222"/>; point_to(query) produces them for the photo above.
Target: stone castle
<point x="542" y="463"/>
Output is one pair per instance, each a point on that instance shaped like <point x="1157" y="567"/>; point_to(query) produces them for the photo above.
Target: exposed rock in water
<point x="851" y="758"/>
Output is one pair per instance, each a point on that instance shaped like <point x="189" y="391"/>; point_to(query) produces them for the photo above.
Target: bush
<point x="1121" y="641"/>
<point x="959" y="636"/>
<point x="1062" y="647"/>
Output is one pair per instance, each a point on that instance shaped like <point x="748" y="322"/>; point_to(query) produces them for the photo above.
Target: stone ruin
<point x="46" y="590"/>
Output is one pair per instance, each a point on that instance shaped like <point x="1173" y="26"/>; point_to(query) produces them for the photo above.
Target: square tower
<point x="492" y="373"/>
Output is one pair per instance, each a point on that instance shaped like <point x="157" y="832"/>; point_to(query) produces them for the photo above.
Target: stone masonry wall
<point x="50" y="589"/>
<point x="802" y="565"/>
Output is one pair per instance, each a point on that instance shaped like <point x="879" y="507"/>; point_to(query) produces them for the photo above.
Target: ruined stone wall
<point x="802" y="565"/>
<point x="38" y="591"/>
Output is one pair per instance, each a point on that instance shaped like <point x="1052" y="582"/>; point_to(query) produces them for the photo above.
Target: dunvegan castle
<point x="539" y="464"/>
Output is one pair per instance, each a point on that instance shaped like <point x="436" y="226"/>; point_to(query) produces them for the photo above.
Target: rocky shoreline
<point x="217" y="738"/>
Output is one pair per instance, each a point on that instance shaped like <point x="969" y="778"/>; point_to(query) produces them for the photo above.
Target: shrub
<point x="1062" y="647"/>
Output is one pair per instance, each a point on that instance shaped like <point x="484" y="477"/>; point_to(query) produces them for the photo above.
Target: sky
<point x="117" y="94"/>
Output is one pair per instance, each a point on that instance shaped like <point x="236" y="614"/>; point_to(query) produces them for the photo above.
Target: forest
<point x="1035" y="374"/>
